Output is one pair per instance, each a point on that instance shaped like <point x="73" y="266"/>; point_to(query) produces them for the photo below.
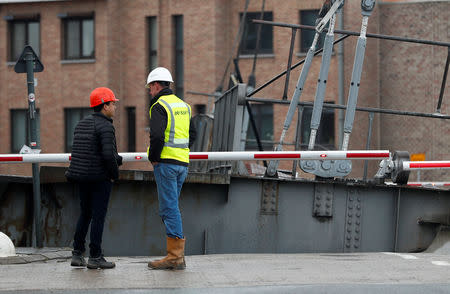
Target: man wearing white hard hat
<point x="171" y="135"/>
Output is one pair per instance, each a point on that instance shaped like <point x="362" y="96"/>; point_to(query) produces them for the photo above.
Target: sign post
<point x="29" y="63"/>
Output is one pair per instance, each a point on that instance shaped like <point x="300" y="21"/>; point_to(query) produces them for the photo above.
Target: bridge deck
<point x="241" y="273"/>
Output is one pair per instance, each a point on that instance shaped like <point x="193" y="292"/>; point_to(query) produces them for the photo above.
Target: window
<point x="131" y="128"/>
<point x="325" y="133"/>
<point x="79" y="38"/>
<point x="72" y="117"/>
<point x="263" y="116"/>
<point x="179" y="64"/>
<point x="21" y="33"/>
<point x="248" y="43"/>
<point x="308" y="17"/>
<point x="152" y="35"/>
<point x="20" y="128"/>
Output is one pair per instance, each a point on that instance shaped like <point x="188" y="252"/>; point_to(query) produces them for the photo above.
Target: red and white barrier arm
<point x="214" y="156"/>
<point x="425" y="165"/>
<point x="290" y="155"/>
<point x="429" y="184"/>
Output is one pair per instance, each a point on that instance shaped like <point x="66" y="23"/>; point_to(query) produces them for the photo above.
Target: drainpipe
<point x="340" y="56"/>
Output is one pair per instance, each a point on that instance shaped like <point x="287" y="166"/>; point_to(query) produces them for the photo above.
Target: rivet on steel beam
<point x="318" y="197"/>
<point x="318" y="204"/>
<point x="358" y="214"/>
<point x="349" y="222"/>
<point x="347" y="245"/>
<point x="357" y="222"/>
<point x="356" y="246"/>
<point x="351" y="198"/>
<point x="328" y="198"/>
<point x="358" y="206"/>
<point x="349" y="237"/>
<point x="349" y="230"/>
<point x="359" y="199"/>
<point x="350" y="207"/>
<point x="273" y="202"/>
<point x="328" y="205"/>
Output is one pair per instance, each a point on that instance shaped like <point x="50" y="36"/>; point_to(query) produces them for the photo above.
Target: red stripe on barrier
<point x="414" y="184"/>
<point x="429" y="164"/>
<point x="195" y="156"/>
<point x="276" y="156"/>
<point x="12" y="158"/>
<point x="368" y="154"/>
<point x="70" y="158"/>
<point x="447" y="184"/>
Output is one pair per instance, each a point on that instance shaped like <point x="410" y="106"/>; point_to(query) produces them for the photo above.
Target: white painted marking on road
<point x="402" y="255"/>
<point x="439" y="262"/>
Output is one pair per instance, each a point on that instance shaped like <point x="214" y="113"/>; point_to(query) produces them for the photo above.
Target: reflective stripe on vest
<point x="176" y="142"/>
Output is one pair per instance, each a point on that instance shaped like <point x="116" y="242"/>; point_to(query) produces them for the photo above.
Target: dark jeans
<point x="94" y="198"/>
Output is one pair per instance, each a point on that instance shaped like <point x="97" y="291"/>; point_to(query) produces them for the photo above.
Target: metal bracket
<point x="327" y="168"/>
<point x="323" y="200"/>
<point x="352" y="237"/>
<point x="269" y="197"/>
<point x="323" y="22"/>
<point x="393" y="168"/>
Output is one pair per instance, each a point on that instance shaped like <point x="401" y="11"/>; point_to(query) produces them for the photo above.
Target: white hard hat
<point x="159" y="74"/>
<point x="6" y="246"/>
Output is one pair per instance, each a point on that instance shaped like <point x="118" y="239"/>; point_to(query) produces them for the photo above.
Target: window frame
<point x="64" y="39"/>
<point x="327" y="113"/>
<point x="303" y="48"/>
<point x="152" y="27"/>
<point x="27" y="126"/>
<point x="178" y="54"/>
<point x="81" y="116"/>
<point x="244" y="50"/>
<point x="260" y="116"/>
<point x="12" y="20"/>
<point x="131" y="128"/>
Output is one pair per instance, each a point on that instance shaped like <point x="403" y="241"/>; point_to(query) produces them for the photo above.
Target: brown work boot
<point x="174" y="258"/>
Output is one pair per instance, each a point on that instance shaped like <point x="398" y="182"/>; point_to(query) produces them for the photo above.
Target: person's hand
<point x="154" y="163"/>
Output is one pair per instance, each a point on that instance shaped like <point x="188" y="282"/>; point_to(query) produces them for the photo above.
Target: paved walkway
<point x="29" y="255"/>
<point x="241" y="273"/>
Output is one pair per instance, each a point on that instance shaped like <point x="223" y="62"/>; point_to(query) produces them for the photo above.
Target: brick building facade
<point x="194" y="39"/>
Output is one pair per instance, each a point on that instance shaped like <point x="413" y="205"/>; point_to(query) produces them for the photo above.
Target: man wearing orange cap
<point x="93" y="167"/>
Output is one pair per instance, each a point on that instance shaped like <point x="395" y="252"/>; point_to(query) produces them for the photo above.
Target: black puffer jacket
<point x="94" y="151"/>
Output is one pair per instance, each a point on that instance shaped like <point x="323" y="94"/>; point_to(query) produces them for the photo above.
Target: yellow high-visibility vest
<point x="176" y="135"/>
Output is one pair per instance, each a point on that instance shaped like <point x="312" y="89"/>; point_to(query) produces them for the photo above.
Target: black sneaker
<point x="77" y="259"/>
<point x="99" y="262"/>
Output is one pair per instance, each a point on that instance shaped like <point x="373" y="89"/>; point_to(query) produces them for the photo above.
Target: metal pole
<point x="288" y="70"/>
<point x="34" y="144"/>
<point x="292" y="67"/>
<point x="444" y="81"/>
<point x="366" y="109"/>
<point x="255" y="130"/>
<point x="297" y="138"/>
<point x="368" y="35"/>
<point x="369" y="137"/>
